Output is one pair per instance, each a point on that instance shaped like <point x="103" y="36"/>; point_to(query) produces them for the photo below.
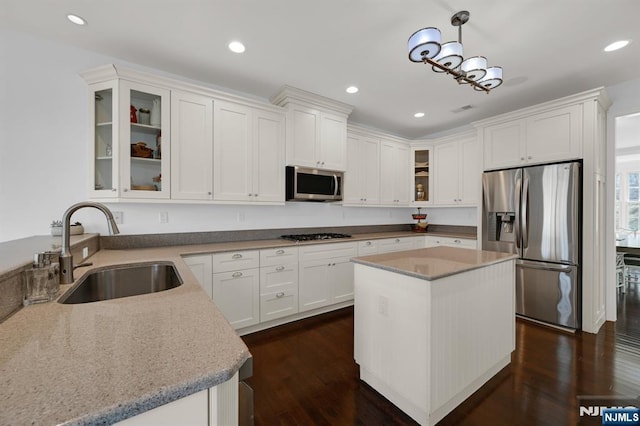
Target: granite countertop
<point x="98" y="363"/>
<point x="434" y="262"/>
<point x="102" y="362"/>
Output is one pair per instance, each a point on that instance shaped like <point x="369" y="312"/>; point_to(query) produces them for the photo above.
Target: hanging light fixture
<point x="426" y="46"/>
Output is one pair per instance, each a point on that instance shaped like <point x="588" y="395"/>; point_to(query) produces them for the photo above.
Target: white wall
<point x="43" y="158"/>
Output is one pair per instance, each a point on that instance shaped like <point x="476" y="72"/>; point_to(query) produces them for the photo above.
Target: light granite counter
<point x="98" y="363"/>
<point x="434" y="262"/>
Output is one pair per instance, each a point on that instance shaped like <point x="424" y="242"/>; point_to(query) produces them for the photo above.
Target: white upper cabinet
<point x="192" y="153"/>
<point x="554" y="135"/>
<point x="422" y="180"/>
<point x="129" y="125"/>
<point x="248" y="153"/>
<point x="362" y="178"/>
<point x="316" y="129"/>
<point x="457" y="172"/>
<point x="394" y="174"/>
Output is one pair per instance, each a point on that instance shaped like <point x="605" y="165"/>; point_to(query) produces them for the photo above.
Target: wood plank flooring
<point x="304" y="374"/>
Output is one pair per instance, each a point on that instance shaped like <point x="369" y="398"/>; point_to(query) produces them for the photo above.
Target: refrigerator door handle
<point x="517" y="194"/>
<point x="559" y="268"/>
<point x="525" y="212"/>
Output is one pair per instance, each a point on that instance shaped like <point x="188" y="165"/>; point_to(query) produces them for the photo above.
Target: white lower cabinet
<point x="236" y="286"/>
<point x="217" y="406"/>
<point x="326" y="275"/>
<point x="201" y="266"/>
<point x="432" y="241"/>
<point x="278" y="283"/>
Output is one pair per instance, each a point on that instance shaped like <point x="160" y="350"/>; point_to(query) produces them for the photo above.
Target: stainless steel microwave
<point x="305" y="184"/>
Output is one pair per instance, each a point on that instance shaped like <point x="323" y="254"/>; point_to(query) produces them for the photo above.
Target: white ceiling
<point x="548" y="48"/>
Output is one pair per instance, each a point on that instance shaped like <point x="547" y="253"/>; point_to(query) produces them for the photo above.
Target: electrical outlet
<point x="85" y="252"/>
<point x="164" y="217"/>
<point x="240" y="217"/>
<point x="383" y="305"/>
<point x="117" y="216"/>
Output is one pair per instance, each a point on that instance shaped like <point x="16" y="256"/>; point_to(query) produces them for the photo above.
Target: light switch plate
<point x="117" y="216"/>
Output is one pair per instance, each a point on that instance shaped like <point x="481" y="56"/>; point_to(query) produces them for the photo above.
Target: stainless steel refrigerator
<point x="536" y="213"/>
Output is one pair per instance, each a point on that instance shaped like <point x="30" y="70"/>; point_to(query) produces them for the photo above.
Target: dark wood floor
<point x="304" y="374"/>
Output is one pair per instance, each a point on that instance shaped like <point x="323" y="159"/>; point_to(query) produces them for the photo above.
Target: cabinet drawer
<point x="396" y="244"/>
<point x="278" y="256"/>
<point x="235" y="260"/>
<point x="368" y="247"/>
<point x="274" y="278"/>
<point x="279" y="304"/>
<point x="328" y="251"/>
<point x="451" y="242"/>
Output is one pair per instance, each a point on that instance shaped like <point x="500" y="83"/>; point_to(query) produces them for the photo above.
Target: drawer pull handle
<point x="397" y="240"/>
<point x="237" y="256"/>
<point x="280" y="251"/>
<point x="457" y="241"/>
<point x="236" y="274"/>
<point x="280" y="268"/>
<point x="368" y="243"/>
<point x="280" y="295"/>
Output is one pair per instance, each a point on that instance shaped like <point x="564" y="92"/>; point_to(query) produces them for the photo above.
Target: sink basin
<point x="123" y="281"/>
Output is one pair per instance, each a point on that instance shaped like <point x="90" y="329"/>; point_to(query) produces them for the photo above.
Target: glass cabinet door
<point x="145" y="141"/>
<point x="103" y="119"/>
<point x="421" y="182"/>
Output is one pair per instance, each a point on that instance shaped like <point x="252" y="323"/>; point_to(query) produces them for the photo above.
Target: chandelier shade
<point x="475" y="67"/>
<point x="450" y="56"/>
<point x="424" y="43"/>
<point x="493" y="78"/>
<point x="425" y="46"/>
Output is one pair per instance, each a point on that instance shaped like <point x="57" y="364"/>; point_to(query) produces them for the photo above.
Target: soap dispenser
<point x="42" y="281"/>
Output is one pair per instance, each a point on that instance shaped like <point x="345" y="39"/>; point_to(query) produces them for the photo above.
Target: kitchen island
<point x="433" y="325"/>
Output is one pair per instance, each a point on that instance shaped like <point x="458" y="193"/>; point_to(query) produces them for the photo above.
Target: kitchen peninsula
<point x="433" y="325"/>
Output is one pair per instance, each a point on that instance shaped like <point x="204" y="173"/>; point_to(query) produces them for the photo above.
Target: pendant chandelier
<point x="425" y="46"/>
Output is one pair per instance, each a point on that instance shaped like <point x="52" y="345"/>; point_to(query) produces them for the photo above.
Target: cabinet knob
<point x="236" y="274"/>
<point x="126" y="190"/>
<point x="280" y="251"/>
<point x="114" y="189"/>
<point x="368" y="243"/>
<point x="280" y="295"/>
<point x="457" y="241"/>
<point x="322" y="163"/>
<point x="250" y="195"/>
<point x="522" y="158"/>
<point x="280" y="268"/>
<point x="237" y="256"/>
<point x="209" y="193"/>
<point x="529" y="157"/>
<point x="397" y="240"/>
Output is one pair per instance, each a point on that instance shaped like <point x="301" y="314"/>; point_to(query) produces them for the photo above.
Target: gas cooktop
<point x="311" y="237"/>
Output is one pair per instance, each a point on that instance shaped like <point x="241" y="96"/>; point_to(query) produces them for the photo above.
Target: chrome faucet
<point x="66" y="259"/>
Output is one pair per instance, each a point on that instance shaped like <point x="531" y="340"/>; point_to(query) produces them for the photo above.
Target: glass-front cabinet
<point x="130" y="127"/>
<point x="421" y="182"/>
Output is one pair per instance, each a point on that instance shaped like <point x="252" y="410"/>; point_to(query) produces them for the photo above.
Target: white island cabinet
<point x="433" y="325"/>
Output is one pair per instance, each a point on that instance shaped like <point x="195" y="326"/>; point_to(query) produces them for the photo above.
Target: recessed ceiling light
<point x="352" y="89"/>
<point x="236" y="47"/>
<point x="616" y="45"/>
<point x="76" y="19"/>
<point x="418" y="114"/>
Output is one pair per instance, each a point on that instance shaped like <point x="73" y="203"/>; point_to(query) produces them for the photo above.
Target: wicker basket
<point x="140" y="150"/>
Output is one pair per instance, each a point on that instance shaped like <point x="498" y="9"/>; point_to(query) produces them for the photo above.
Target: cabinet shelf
<point x="422" y="174"/>
<point x="105" y="158"/>
<point x="104" y="124"/>
<point x="145" y="160"/>
<point x="145" y="128"/>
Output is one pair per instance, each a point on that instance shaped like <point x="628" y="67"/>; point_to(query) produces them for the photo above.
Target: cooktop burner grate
<point x="312" y="237"/>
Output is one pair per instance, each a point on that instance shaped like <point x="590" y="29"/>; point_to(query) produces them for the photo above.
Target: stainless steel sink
<point x="123" y="281"/>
